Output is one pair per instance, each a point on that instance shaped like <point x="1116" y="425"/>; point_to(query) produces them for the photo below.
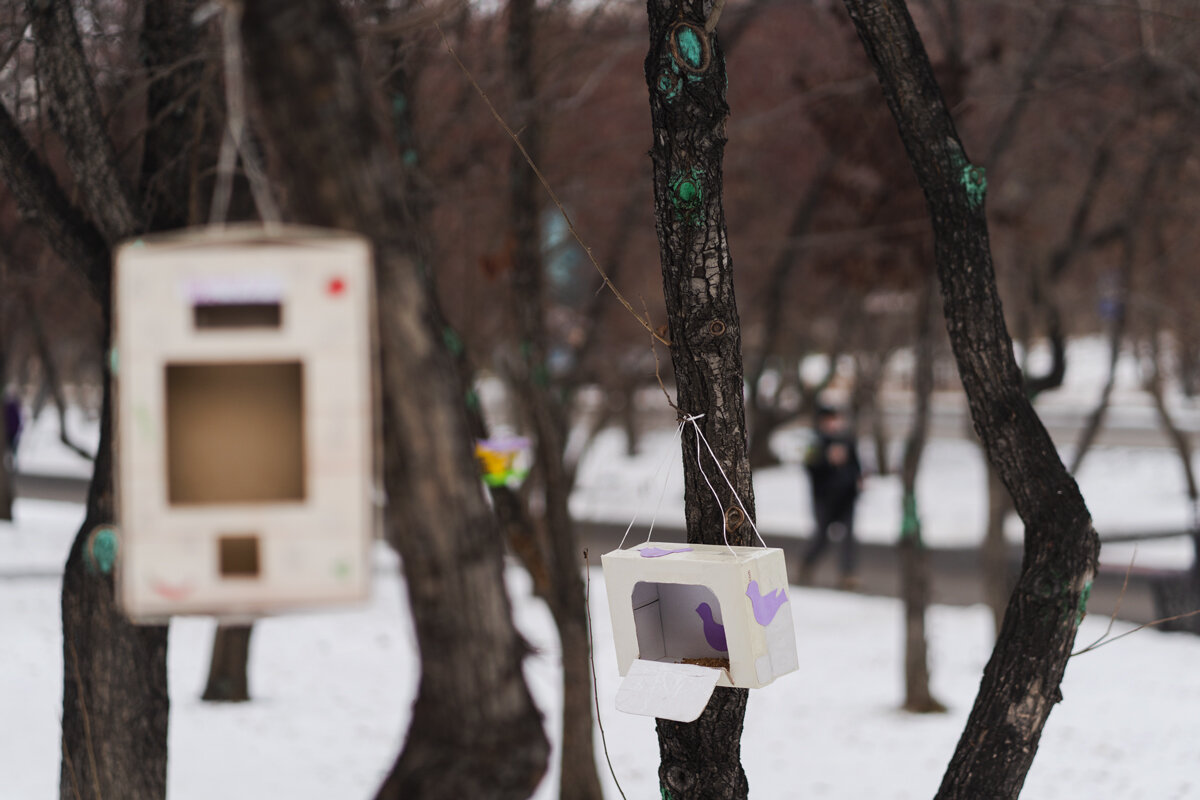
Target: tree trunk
<point x="578" y="777"/>
<point x="115" y="702"/>
<point x="7" y="456"/>
<point x="629" y="416"/>
<point x="914" y="558"/>
<point x="997" y="585"/>
<point x="1095" y="419"/>
<point x="685" y="72"/>
<point x="475" y="731"/>
<point x="227" y="669"/>
<point x="1021" y="680"/>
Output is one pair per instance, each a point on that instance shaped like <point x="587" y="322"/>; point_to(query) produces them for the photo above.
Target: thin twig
<point x="1156" y="622"/>
<point x="235" y="143"/>
<point x="657" y="374"/>
<point x="87" y="725"/>
<point x="710" y="24"/>
<point x="546" y="185"/>
<point x="587" y="597"/>
<point x="411" y="21"/>
<point x="1112" y="619"/>
<point x="66" y="751"/>
<point x="1103" y="640"/>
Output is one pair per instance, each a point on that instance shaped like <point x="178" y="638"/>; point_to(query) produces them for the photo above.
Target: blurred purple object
<point x="658" y="552"/>
<point x="12" y="421"/>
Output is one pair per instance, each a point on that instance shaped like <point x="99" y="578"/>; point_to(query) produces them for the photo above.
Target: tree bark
<point x="475" y="731"/>
<point x="685" y="72"/>
<point x="531" y="377"/>
<point x="90" y="151"/>
<point x="115" y="703"/>
<point x="227" y="681"/>
<point x="914" y="557"/>
<point x="1021" y="680"/>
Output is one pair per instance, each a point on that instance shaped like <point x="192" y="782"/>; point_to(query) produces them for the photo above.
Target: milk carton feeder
<point x="688" y="618"/>
<point x="244" y="433"/>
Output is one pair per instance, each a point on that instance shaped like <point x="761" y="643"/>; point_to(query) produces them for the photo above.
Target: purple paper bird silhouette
<point x="656" y="552"/>
<point x="765" y="605"/>
<point x="714" y="632"/>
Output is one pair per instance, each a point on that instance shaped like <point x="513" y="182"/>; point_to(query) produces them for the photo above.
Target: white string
<point x="700" y="465"/>
<point x="668" y="462"/>
<point x="703" y="474"/>
<point x="235" y="143"/>
<point x="666" y="482"/>
<point x="745" y="513"/>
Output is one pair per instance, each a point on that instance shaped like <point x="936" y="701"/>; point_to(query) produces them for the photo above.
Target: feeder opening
<point x="239" y="556"/>
<point x="678" y="622"/>
<point x="235" y="433"/>
<point x="236" y="316"/>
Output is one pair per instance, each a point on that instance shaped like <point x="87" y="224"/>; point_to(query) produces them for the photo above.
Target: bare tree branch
<point x="43" y="202"/>
<point x="79" y="119"/>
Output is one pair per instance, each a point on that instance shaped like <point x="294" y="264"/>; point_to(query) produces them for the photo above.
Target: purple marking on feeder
<point x="658" y="552"/>
<point x="714" y="632"/>
<point x="765" y="605"/>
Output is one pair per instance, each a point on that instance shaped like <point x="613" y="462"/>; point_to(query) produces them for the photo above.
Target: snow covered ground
<point x="1127" y="489"/>
<point x="332" y="690"/>
<point x="332" y="693"/>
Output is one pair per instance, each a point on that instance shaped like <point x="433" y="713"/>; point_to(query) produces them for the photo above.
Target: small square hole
<point x="239" y="556"/>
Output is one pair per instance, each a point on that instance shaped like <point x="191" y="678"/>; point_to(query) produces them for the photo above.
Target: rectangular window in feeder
<point x="687" y="618"/>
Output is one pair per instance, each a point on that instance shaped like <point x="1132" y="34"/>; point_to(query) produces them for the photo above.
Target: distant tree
<point x="1021" y="681"/>
<point x="547" y="414"/>
<point x="114" y="721"/>
<point x="475" y="731"/>
<point x="914" y="557"/>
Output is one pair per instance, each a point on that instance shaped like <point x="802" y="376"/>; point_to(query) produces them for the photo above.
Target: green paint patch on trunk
<point x="101" y="553"/>
<point x="910" y="522"/>
<point x="669" y="84"/>
<point x="974" y="180"/>
<point x="691" y="50"/>
<point x="1081" y="610"/>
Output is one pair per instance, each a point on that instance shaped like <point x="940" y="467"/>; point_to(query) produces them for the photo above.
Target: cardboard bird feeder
<point x="245" y="463"/>
<point x="688" y="618"/>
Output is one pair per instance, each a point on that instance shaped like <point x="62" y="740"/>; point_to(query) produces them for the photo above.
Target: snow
<point x="332" y="690"/>
<point x="1127" y="490"/>
<point x="332" y="693"/>
<point x="41" y="451"/>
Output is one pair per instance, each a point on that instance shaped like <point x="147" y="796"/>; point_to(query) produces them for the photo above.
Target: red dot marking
<point x="336" y="286"/>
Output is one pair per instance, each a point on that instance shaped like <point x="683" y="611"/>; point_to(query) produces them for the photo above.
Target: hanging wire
<point x="703" y="474"/>
<point x="669" y="463"/>
<point x="235" y="143"/>
<point x="745" y="513"/>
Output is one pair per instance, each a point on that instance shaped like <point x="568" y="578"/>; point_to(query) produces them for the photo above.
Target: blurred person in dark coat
<point x="836" y="480"/>
<point x="12" y="421"/>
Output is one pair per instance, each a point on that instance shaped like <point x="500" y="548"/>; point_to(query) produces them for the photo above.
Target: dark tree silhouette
<point x="475" y="731"/>
<point x="1021" y="681"/>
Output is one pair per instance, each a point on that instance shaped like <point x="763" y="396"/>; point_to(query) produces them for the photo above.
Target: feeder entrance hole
<point x="235" y="433"/>
<point x="677" y="621"/>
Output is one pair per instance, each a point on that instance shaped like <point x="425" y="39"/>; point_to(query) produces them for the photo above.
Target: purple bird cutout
<point x="765" y="605"/>
<point x="658" y="552"/>
<point x="714" y="632"/>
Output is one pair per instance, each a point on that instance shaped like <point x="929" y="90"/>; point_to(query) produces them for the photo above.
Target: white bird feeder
<point x="688" y="618"/>
<point x="245" y="465"/>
